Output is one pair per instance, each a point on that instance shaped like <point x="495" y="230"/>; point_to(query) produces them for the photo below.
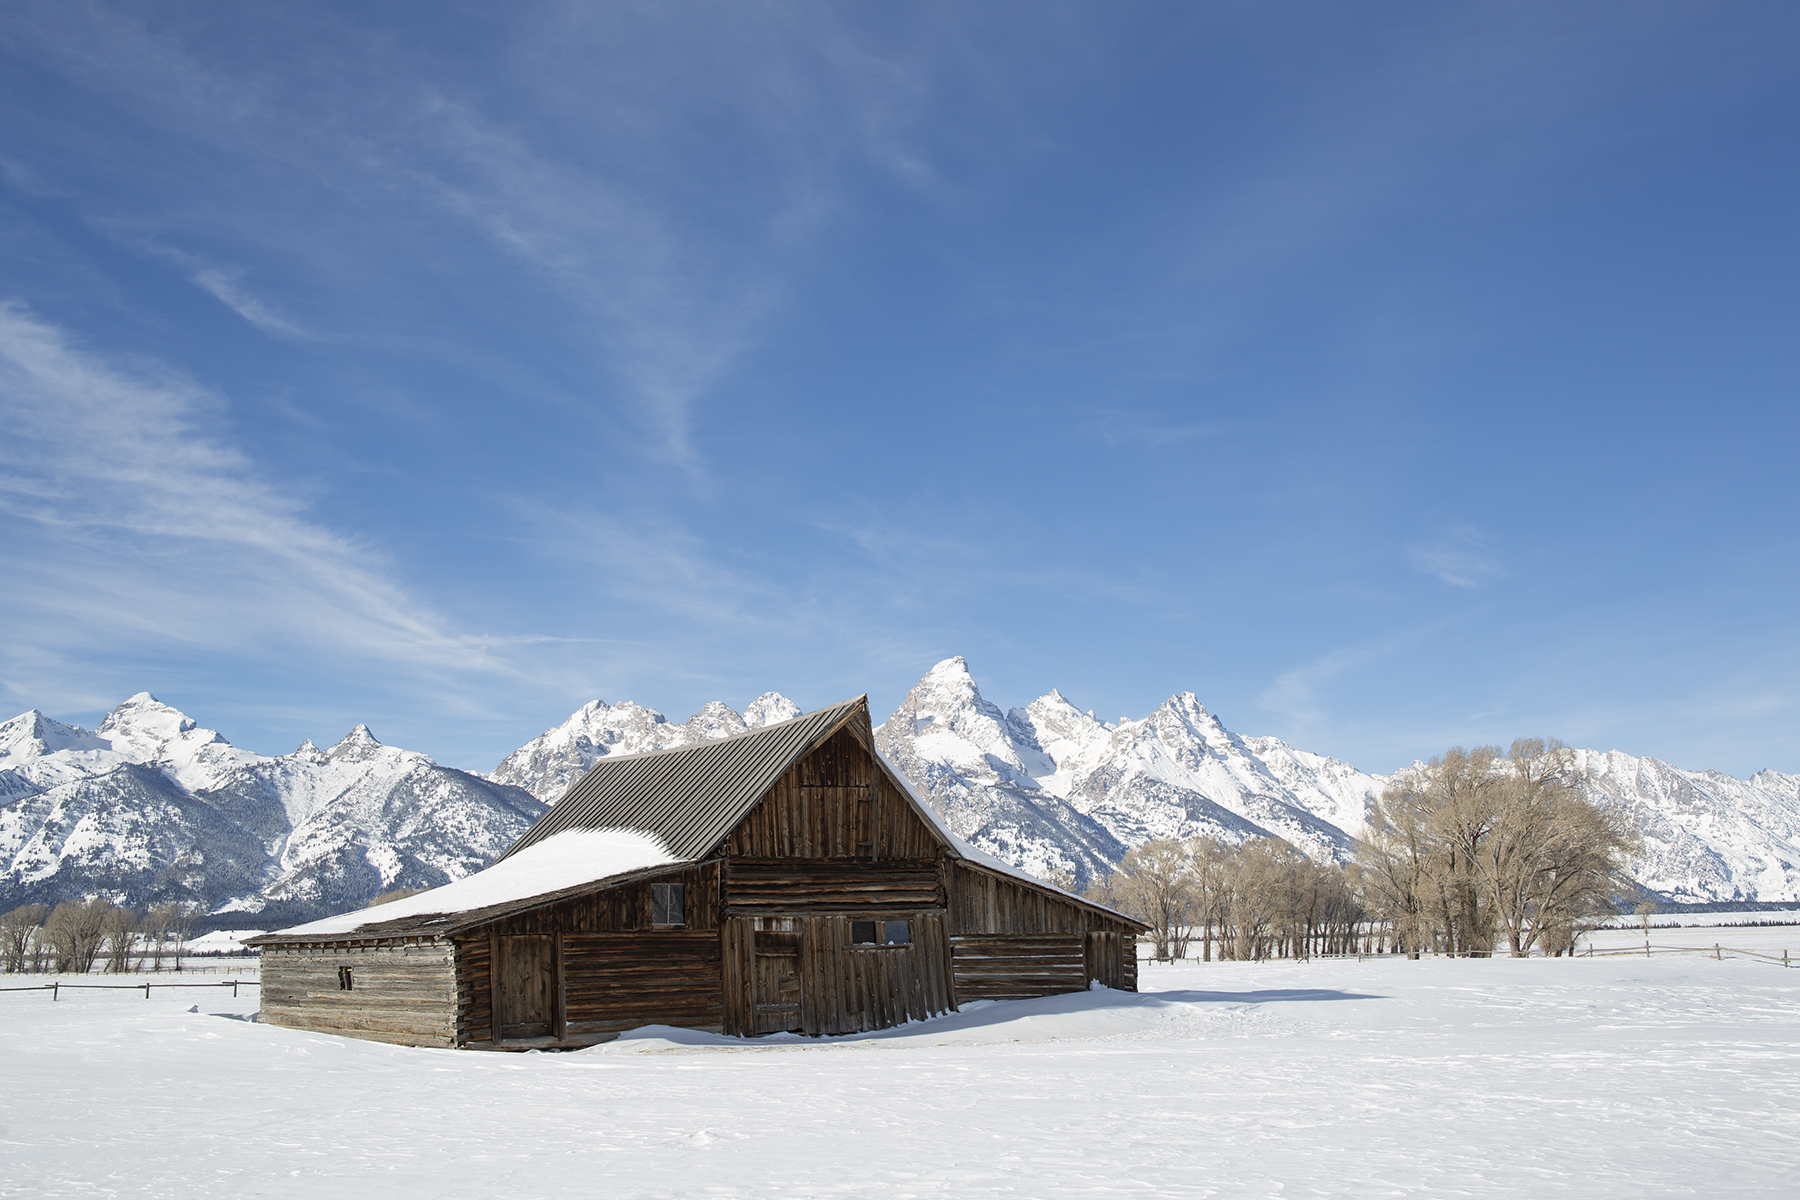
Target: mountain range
<point x="149" y="806"/>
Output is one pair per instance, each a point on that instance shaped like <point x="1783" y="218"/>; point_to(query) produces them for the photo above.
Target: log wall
<point x="617" y="981"/>
<point x="844" y="988"/>
<point x="622" y="909"/>
<point x="404" y="993"/>
<point x="1017" y="966"/>
<point x="793" y="886"/>
<point x="614" y="970"/>
<point x="1010" y="940"/>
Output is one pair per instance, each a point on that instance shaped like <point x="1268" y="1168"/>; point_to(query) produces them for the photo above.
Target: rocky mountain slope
<point x="150" y="807"/>
<point x="1707" y="836"/>
<point x="1052" y="788"/>
<point x="547" y="764"/>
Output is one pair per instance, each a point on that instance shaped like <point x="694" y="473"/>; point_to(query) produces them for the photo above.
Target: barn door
<point x="777" y="981"/>
<point x="1106" y="959"/>
<point x="525" y="986"/>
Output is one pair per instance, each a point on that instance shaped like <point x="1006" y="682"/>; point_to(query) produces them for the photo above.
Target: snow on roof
<point x="568" y="859"/>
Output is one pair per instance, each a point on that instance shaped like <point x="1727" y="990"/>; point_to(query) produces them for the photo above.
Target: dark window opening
<point x="345" y="981"/>
<point x="881" y="933"/>
<point x="665" y="904"/>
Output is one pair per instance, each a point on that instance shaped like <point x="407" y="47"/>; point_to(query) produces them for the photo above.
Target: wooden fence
<point x="1714" y="951"/>
<point x="56" y="987"/>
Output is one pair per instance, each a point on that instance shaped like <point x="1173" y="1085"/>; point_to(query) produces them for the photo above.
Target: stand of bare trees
<point x="77" y="934"/>
<point x="1475" y="847"/>
<point x="1261" y="899"/>
<point x="1473" y="850"/>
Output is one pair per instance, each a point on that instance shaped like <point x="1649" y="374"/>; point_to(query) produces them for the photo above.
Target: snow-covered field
<point x="1569" y="1077"/>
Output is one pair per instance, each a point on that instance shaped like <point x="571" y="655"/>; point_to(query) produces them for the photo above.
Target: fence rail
<point x="57" y="987"/>
<point x="1716" y="951"/>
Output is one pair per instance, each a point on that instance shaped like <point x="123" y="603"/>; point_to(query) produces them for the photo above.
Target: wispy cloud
<point x="132" y="515"/>
<point x="1295" y="692"/>
<point x="1462" y="558"/>
<point x="224" y="286"/>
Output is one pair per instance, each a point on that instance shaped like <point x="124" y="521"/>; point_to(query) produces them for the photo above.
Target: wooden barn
<point x="783" y="879"/>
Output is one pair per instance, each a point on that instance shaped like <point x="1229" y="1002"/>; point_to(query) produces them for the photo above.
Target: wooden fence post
<point x="1716" y="954"/>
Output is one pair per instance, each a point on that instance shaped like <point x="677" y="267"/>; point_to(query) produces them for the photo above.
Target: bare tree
<point x="121" y="934"/>
<point x="75" y="931"/>
<point x="1155" y="884"/>
<point x="157" y="919"/>
<point x="1474" y="844"/>
<point x="19" y="929"/>
<point x="1210" y="859"/>
<point x="182" y="919"/>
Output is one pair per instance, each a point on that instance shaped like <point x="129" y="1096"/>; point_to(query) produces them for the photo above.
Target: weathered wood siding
<point x="837" y="802"/>
<point x="843" y="988"/>
<point x="403" y="993"/>
<point x="474" y="989"/>
<point x="617" y="981"/>
<point x="1010" y="940"/>
<point x="1015" y="966"/>
<point x="790" y="886"/>
<point x="613" y="969"/>
<point x="622" y="909"/>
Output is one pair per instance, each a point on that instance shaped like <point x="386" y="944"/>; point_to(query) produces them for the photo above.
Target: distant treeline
<point x="1475" y="851"/>
<point x="77" y="934"/>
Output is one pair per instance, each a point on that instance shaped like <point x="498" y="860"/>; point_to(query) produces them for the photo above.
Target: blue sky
<point x="1391" y="377"/>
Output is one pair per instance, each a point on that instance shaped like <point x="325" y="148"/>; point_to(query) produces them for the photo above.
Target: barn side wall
<point x="615" y="970"/>
<point x="845" y="988"/>
<point x="1009" y="941"/>
<point x="402" y="993"/>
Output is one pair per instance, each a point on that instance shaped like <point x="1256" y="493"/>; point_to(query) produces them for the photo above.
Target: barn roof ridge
<point x="690" y="796"/>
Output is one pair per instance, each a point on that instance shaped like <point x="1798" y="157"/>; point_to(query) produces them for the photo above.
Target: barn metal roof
<point x="692" y="796"/>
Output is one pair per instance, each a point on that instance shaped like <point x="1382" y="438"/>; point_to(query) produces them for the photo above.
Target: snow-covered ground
<point x="1584" y="1077"/>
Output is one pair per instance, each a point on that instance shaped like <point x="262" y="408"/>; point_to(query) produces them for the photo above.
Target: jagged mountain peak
<point x="770" y="708"/>
<point x="547" y="764"/>
<point x="359" y="745"/>
<point x="32" y="735"/>
<point x="144" y="724"/>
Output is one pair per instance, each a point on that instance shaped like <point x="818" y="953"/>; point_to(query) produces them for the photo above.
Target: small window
<point x="346" y="982"/>
<point x="881" y="933"/>
<point x="665" y="904"/>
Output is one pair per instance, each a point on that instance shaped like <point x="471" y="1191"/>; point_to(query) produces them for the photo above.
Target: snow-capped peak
<point x="359" y="745"/>
<point x="143" y="725"/>
<point x="32" y="735"/>
<point x="547" y="764"/>
<point x="770" y="708"/>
